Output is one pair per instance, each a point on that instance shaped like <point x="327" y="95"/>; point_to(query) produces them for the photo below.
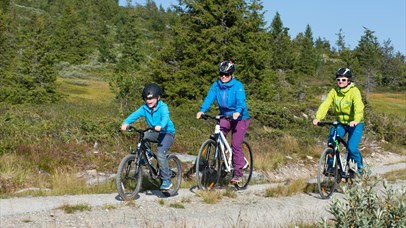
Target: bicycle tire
<point x="208" y="166"/>
<point x="326" y="181"/>
<point x="248" y="168"/>
<point x="176" y="175"/>
<point x="129" y="178"/>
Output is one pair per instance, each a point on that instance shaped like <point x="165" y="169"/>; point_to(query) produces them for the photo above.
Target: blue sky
<point x="327" y="17"/>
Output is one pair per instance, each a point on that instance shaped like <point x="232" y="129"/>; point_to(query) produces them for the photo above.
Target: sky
<point x="326" y="17"/>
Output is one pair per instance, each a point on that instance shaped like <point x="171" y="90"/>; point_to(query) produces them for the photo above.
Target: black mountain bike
<point x="130" y="171"/>
<point x="215" y="159"/>
<point x="340" y="167"/>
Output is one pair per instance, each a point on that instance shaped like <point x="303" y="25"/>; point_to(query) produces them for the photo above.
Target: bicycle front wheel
<point x="176" y="175"/>
<point x="327" y="176"/>
<point x="208" y="165"/>
<point x="248" y="167"/>
<point x="129" y="178"/>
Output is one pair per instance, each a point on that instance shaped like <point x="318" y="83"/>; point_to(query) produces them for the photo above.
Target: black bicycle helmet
<point x="344" y="72"/>
<point x="151" y="91"/>
<point x="226" y="67"/>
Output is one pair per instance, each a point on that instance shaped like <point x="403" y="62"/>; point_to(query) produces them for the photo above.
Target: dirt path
<point x="248" y="209"/>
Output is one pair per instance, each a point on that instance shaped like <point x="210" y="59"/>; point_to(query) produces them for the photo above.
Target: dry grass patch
<point x="382" y="102"/>
<point x="230" y="193"/>
<point x="70" y="209"/>
<point x="177" y="205"/>
<point x="393" y="176"/>
<point x="293" y="187"/>
<point x="210" y="197"/>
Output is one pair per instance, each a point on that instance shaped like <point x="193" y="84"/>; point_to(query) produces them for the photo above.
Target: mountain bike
<point x="130" y="171"/>
<point x="340" y="167"/>
<point x="215" y="159"/>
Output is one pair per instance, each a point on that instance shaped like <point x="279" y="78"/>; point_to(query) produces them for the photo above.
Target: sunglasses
<point x="225" y="75"/>
<point x="341" y="79"/>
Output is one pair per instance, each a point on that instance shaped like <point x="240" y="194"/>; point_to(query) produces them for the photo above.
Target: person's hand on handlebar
<point x="157" y="128"/>
<point x="353" y="123"/>
<point x="236" y="115"/>
<point x="199" y="114"/>
<point x="124" y="127"/>
<point x="315" y="122"/>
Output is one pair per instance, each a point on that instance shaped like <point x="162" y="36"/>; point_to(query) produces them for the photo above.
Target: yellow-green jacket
<point x="348" y="105"/>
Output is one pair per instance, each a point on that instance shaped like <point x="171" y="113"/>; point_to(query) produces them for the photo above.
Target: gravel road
<point x="250" y="208"/>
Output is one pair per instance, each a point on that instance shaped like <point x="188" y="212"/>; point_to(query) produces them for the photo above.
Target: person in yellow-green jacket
<point x="349" y="109"/>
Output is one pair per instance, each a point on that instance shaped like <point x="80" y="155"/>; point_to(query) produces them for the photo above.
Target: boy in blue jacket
<point x="231" y="99"/>
<point x="156" y="114"/>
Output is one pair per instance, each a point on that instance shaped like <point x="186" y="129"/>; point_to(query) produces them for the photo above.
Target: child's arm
<point x="165" y="117"/>
<point x="132" y="118"/>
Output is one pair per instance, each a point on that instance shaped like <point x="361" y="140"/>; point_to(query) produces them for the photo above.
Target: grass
<point x="46" y="146"/>
<point x="384" y="102"/>
<point x="393" y="176"/>
<point x="70" y="209"/>
<point x="291" y="188"/>
<point x="210" y="197"/>
<point x="177" y="205"/>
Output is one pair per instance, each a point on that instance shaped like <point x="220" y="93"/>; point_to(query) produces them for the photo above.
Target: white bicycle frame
<point x="225" y="148"/>
<point x="343" y="161"/>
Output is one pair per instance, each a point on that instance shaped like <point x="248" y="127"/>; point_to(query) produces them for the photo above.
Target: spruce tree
<point x="369" y="56"/>
<point x="208" y="32"/>
<point x="282" y="54"/>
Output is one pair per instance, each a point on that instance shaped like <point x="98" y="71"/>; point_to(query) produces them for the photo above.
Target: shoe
<point x="143" y="162"/>
<point x="166" y="184"/>
<point x="329" y="171"/>
<point x="236" y="180"/>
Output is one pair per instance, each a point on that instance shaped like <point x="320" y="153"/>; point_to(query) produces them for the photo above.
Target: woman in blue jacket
<point x="231" y="99"/>
<point x="156" y="114"/>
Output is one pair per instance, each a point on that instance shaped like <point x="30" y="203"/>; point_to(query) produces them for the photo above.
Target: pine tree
<point x="306" y="61"/>
<point x="282" y="54"/>
<point x="346" y="55"/>
<point x="368" y="54"/>
<point x="207" y="32"/>
<point x="72" y="41"/>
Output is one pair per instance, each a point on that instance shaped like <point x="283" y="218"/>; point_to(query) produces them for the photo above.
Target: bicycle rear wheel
<point x="248" y="167"/>
<point x="208" y="166"/>
<point x="326" y="178"/>
<point x="176" y="175"/>
<point x="129" y="177"/>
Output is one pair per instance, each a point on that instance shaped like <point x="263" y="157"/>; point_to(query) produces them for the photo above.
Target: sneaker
<point x="166" y="184"/>
<point x="143" y="162"/>
<point x="236" y="180"/>
<point x="329" y="171"/>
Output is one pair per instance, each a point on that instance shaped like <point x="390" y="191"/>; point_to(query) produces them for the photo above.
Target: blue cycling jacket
<point x="230" y="97"/>
<point x="158" y="117"/>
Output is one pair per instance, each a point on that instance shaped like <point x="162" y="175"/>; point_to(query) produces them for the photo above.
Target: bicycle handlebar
<point x="217" y="117"/>
<point x="133" y="129"/>
<point x="334" y="123"/>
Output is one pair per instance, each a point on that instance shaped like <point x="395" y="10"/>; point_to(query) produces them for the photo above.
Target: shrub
<point x="364" y="206"/>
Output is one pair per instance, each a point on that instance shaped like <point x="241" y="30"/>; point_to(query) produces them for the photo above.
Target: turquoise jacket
<point x="348" y="105"/>
<point x="230" y="97"/>
<point x="157" y="117"/>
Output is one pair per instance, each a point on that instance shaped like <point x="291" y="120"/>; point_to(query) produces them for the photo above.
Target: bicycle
<point x="215" y="161"/>
<point x="340" y="166"/>
<point x="130" y="172"/>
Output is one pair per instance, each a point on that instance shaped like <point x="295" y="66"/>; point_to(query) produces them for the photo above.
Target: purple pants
<point x="238" y="130"/>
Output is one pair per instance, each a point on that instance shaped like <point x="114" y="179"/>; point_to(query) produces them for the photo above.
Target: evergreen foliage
<point x="180" y="49"/>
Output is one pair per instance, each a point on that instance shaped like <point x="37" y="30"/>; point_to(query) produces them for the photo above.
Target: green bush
<point x="365" y="206"/>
